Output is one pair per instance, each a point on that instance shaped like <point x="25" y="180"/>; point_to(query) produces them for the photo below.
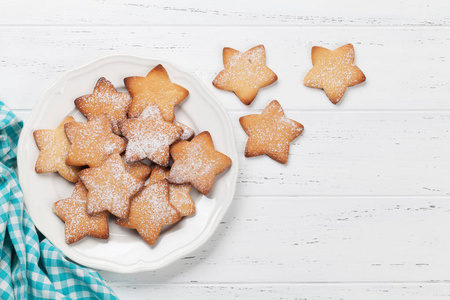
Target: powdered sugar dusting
<point x="334" y="71"/>
<point x="245" y="71"/>
<point x="92" y="142"/>
<point x="150" y="210"/>
<point x="105" y="100"/>
<point x="149" y="136"/>
<point x="110" y="187"/>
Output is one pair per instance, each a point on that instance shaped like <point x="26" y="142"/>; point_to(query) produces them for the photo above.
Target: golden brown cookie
<point x="178" y="193"/>
<point x="188" y="132"/>
<point x="155" y="88"/>
<point x="334" y="71"/>
<point x="137" y="169"/>
<point x="244" y="73"/>
<point x="150" y="210"/>
<point x="197" y="162"/>
<point x="270" y="133"/>
<point x="54" y="146"/>
<point x="105" y="100"/>
<point x="110" y="187"/>
<point x="92" y="142"/>
<point x="149" y="136"/>
<point x="78" y="223"/>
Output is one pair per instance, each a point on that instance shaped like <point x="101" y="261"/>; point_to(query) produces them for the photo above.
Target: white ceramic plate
<point x="125" y="251"/>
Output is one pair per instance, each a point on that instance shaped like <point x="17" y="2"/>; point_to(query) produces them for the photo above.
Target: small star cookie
<point x="92" y="142"/>
<point x="178" y="193"/>
<point x="334" y="71"/>
<point x="244" y="73"/>
<point x="270" y="133"/>
<point x="150" y="210"/>
<point x="105" y="100"/>
<point x="78" y="223"/>
<point x="150" y="136"/>
<point x="155" y="88"/>
<point x="197" y="162"/>
<point x="54" y="146"/>
<point x="110" y="187"/>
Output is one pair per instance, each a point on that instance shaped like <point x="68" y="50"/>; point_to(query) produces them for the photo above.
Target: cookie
<point x="105" y="100"/>
<point x="244" y="73"/>
<point x="178" y="193"/>
<point x="110" y="187"/>
<point x="334" y="71"/>
<point x="155" y="88"/>
<point x="150" y="210"/>
<point x="197" y="162"/>
<point x="137" y="169"/>
<point x="53" y="146"/>
<point x="270" y="133"/>
<point x="149" y="136"/>
<point x="92" y="142"/>
<point x="188" y="132"/>
<point x="78" y="223"/>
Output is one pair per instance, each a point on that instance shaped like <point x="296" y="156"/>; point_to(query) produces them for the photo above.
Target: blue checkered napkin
<point x="30" y="268"/>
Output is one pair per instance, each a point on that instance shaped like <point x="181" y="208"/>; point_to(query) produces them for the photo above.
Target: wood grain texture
<point x="417" y="60"/>
<point x="318" y="239"/>
<point x="287" y="291"/>
<point x="230" y="13"/>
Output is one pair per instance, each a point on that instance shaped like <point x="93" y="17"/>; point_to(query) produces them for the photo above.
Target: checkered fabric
<point x="30" y="268"/>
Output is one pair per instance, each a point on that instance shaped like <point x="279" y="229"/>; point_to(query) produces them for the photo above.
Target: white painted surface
<point x="361" y="211"/>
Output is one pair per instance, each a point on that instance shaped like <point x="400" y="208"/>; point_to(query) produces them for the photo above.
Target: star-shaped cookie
<point x="92" y="142"/>
<point x="334" y="71"/>
<point x="110" y="187"/>
<point x="149" y="136"/>
<point x="244" y="73"/>
<point x="178" y="193"/>
<point x="78" y="223"/>
<point x="155" y="88"/>
<point x="105" y="100"/>
<point x="197" y="162"/>
<point x="270" y="133"/>
<point x="150" y="210"/>
<point x="54" y="146"/>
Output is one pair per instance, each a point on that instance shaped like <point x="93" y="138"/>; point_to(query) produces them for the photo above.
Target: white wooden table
<point x="362" y="209"/>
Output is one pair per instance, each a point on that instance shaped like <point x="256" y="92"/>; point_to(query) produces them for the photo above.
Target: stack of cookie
<point x="109" y="159"/>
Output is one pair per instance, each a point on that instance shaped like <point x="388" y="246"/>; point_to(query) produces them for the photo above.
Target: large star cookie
<point x="110" y="187"/>
<point x="270" y="133"/>
<point x="334" y="71"/>
<point x="78" y="223"/>
<point x="92" y="142"/>
<point x="197" y="162"/>
<point x="105" y="100"/>
<point x="54" y="146"/>
<point x="150" y="136"/>
<point x="150" y="210"/>
<point x="244" y="73"/>
<point x="178" y="193"/>
<point x="155" y="88"/>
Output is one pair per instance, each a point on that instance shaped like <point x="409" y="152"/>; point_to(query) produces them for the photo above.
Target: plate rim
<point x="138" y="266"/>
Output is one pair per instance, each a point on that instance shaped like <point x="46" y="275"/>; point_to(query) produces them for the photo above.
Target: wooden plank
<point x="224" y="291"/>
<point x="233" y="12"/>
<point x="318" y="239"/>
<point x="406" y="68"/>
<point x="352" y="153"/>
